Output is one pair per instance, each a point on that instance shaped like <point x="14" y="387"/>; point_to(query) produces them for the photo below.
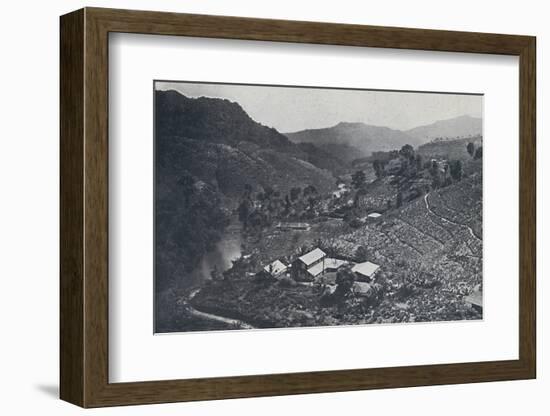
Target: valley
<point x="235" y="197"/>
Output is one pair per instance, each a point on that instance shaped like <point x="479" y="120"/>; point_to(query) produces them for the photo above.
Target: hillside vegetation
<point x="362" y="137"/>
<point x="206" y="152"/>
<point x="462" y="126"/>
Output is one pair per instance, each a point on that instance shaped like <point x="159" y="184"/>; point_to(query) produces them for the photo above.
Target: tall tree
<point x="479" y="153"/>
<point x="244" y="210"/>
<point x="358" y="179"/>
<point x="344" y="281"/>
<point x="456" y="170"/>
<point x="362" y="254"/>
<point x="470" y="147"/>
<point x="378" y="168"/>
<point x="309" y="190"/>
<point x="418" y="160"/>
<point x="295" y="193"/>
<point x="407" y="151"/>
<point x="399" y="200"/>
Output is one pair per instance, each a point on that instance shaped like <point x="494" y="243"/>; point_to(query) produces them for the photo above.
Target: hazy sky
<point x="291" y="109"/>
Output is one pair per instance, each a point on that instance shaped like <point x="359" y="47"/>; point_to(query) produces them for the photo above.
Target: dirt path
<point x="212" y="317"/>
<point x="218" y="318"/>
<point x="447" y="220"/>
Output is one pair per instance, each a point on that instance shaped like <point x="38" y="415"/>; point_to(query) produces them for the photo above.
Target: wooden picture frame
<point x="84" y="207"/>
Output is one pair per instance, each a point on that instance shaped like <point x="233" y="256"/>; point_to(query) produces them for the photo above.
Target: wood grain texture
<point x="84" y="207"/>
<point x="71" y="213"/>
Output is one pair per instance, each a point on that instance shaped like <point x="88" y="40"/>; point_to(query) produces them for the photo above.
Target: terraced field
<point x="439" y="234"/>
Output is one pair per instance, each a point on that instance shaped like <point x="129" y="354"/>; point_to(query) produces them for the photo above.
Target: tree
<point x="309" y="190"/>
<point x="312" y="201"/>
<point x="357" y="199"/>
<point x="479" y="153"/>
<point x="378" y="168"/>
<point x="247" y="189"/>
<point x="358" y="179"/>
<point x="470" y="147"/>
<point x="407" y="151"/>
<point x="361" y="254"/>
<point x="295" y="193"/>
<point x="268" y="192"/>
<point x="288" y="204"/>
<point x="399" y="200"/>
<point x="344" y="281"/>
<point x="244" y="210"/>
<point x="418" y="160"/>
<point x="456" y="170"/>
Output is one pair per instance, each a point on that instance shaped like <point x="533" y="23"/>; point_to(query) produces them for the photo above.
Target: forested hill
<point x="213" y="120"/>
<point x="454" y="127"/>
<point x="364" y="138"/>
<point x="356" y="140"/>
<point x="207" y="151"/>
<point x="216" y="141"/>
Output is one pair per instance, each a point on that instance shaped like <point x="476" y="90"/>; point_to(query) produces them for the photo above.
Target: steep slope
<point x="206" y="151"/>
<point x="363" y="137"/>
<point x="216" y="141"/>
<point x="455" y="127"/>
<point x="211" y="120"/>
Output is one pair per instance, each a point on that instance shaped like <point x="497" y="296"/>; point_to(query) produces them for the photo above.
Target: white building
<point x="276" y="268"/>
<point x="310" y="264"/>
<point x="365" y="271"/>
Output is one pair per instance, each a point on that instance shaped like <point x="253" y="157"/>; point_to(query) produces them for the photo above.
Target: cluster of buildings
<point x="315" y="265"/>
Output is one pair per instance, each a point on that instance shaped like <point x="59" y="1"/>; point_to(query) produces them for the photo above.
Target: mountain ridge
<point x="368" y="138"/>
<point x="216" y="141"/>
<point x="460" y="126"/>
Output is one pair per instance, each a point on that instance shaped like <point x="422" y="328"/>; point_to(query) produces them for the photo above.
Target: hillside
<point x="362" y="137"/>
<point x="216" y="141"/>
<point x="206" y="151"/>
<point x="430" y="251"/>
<point x="449" y="149"/>
<point x="455" y="127"/>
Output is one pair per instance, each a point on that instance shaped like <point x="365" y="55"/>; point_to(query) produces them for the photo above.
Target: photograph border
<point x="307" y="87"/>
<point x="84" y="216"/>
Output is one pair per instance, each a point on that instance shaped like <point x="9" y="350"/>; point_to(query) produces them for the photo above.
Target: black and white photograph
<point x="293" y="206"/>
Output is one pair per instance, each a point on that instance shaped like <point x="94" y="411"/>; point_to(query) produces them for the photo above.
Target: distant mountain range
<point x="217" y="142"/>
<point x="455" y="127"/>
<point x="354" y="140"/>
<point x="362" y="138"/>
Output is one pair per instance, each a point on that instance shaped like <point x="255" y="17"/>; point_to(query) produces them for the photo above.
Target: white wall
<point x="29" y="206"/>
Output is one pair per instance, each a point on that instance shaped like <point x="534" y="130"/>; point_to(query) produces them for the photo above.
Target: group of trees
<point x="476" y="153"/>
<point x="189" y="222"/>
<point x="405" y="165"/>
<point x="259" y="210"/>
<point x="447" y="172"/>
<point x="452" y="170"/>
<point x="403" y="162"/>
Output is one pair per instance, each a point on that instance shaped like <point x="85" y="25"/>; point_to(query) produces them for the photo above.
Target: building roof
<point x="316" y="270"/>
<point x="475" y="298"/>
<point x="331" y="263"/>
<point x="366" y="269"/>
<point x="312" y="256"/>
<point x="275" y="268"/>
<point x="293" y="224"/>
<point x="361" y="288"/>
<point x="374" y="215"/>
